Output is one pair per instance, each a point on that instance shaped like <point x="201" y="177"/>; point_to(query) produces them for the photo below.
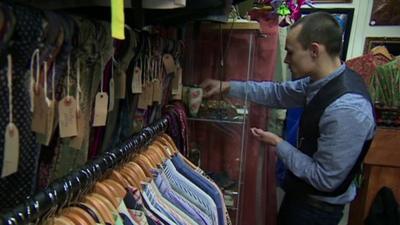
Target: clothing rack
<point x="69" y="187"/>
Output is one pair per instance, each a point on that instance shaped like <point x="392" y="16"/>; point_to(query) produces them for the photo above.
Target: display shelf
<point x="216" y="120"/>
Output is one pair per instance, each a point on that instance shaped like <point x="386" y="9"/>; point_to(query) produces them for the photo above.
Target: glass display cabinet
<point x="219" y="125"/>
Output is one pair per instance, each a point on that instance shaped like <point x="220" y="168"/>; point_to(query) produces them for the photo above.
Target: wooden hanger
<point x="158" y="153"/>
<point x="166" y="149"/>
<point x="104" y="191"/>
<point x="61" y="220"/>
<point x="381" y="49"/>
<point x="154" y="159"/>
<point x="168" y="140"/>
<point x="128" y="175"/>
<point x="135" y="175"/>
<point x="160" y="147"/>
<point x="139" y="170"/>
<point x="106" y="202"/>
<point x="94" y="213"/>
<point x="144" y="163"/>
<point x="117" y="186"/>
<point x="149" y="157"/>
<point x="78" y="216"/>
<point x="115" y="175"/>
<point x="101" y="208"/>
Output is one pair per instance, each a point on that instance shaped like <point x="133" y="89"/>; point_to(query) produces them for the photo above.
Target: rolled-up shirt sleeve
<point x="344" y="127"/>
<point x="287" y="94"/>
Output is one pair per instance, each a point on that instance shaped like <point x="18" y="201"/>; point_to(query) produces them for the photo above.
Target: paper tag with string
<point x="169" y="63"/>
<point x="157" y="91"/>
<point x="39" y="114"/>
<point x="100" y="107"/>
<point x="137" y="81"/>
<point x="81" y="125"/>
<point x="11" y="150"/>
<point x="50" y="108"/>
<point x="157" y="85"/>
<point x="142" y="101"/>
<point x="11" y="134"/>
<point x="67" y="110"/>
<point x="176" y="80"/>
<point x="149" y="93"/>
<point x="67" y="117"/>
<point x="177" y="84"/>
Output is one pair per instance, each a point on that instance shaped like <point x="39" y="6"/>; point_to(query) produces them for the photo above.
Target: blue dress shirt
<point x="344" y="126"/>
<point x="179" y="201"/>
<point x="202" y="183"/>
<point x="190" y="191"/>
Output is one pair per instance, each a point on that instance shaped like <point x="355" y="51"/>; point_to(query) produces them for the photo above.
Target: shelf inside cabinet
<point x="215" y="120"/>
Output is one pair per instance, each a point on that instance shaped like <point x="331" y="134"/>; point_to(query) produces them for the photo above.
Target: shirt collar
<point x="316" y="85"/>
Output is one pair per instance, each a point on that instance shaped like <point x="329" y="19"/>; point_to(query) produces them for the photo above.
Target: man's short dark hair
<point x="323" y="28"/>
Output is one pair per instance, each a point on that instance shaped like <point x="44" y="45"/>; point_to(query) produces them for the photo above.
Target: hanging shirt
<point x="186" y="218"/>
<point x="134" y="203"/>
<point x="179" y="201"/>
<point x="202" y="183"/>
<point x="170" y="210"/>
<point x="152" y="205"/>
<point x="226" y="213"/>
<point x="125" y="215"/>
<point x="190" y="191"/>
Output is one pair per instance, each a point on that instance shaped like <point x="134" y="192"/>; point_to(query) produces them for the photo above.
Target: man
<point x="336" y="127"/>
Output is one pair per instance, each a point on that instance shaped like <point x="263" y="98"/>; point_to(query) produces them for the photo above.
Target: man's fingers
<point x="255" y="132"/>
<point x="208" y="93"/>
<point x="205" y="84"/>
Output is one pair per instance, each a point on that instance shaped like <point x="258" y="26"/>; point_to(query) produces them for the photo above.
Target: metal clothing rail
<point x="70" y="186"/>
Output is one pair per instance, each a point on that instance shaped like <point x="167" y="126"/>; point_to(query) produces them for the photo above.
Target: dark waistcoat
<point x="347" y="82"/>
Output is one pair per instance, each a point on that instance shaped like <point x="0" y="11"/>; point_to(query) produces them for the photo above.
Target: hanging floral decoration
<point x="289" y="11"/>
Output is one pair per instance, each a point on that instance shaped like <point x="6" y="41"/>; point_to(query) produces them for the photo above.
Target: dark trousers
<point x="306" y="211"/>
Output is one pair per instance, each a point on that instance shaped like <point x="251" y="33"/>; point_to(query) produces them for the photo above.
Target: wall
<point x="360" y="27"/>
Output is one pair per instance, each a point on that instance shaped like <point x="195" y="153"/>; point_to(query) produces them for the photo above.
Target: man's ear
<point x="315" y="49"/>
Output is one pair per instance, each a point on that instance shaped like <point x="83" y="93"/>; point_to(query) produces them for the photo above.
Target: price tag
<point x="177" y="86"/>
<point x="11" y="150"/>
<point x="39" y="114"/>
<point x="100" y="109"/>
<point x="67" y="117"/>
<point x="149" y="93"/>
<point x="143" y="97"/>
<point x="45" y="139"/>
<point x="77" y="141"/>
<point x="169" y="63"/>
<point x="157" y="91"/>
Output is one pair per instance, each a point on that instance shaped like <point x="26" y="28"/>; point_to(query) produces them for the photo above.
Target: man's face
<point x="298" y="59"/>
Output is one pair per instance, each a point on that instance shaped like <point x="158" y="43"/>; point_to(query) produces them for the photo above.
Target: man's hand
<point x="265" y="136"/>
<point x="213" y="87"/>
